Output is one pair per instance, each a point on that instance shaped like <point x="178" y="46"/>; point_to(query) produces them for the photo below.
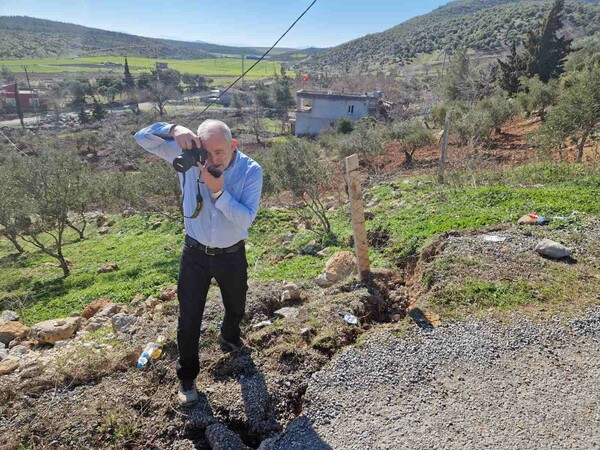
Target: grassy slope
<point x="410" y="212"/>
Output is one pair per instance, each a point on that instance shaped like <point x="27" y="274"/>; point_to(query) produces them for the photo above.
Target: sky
<point x="230" y="22"/>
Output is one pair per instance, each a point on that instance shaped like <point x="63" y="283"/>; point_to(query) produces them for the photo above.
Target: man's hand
<point x="212" y="183"/>
<point x="184" y="137"/>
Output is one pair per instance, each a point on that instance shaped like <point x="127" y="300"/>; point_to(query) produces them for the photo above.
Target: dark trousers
<point x="195" y="274"/>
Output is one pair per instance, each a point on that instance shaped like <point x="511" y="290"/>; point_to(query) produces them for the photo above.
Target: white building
<point x="318" y="110"/>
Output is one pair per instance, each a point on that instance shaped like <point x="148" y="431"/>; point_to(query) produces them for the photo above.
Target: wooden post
<point x="444" y="149"/>
<point x="358" y="217"/>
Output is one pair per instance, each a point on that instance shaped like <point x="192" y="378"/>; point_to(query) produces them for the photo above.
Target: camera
<point x="190" y="158"/>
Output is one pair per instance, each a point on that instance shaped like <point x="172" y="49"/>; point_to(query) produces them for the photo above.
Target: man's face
<point x="219" y="150"/>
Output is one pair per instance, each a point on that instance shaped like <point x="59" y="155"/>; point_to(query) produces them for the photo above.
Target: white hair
<point x="210" y="126"/>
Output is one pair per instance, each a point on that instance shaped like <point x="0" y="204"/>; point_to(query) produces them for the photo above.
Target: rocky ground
<point x="312" y="379"/>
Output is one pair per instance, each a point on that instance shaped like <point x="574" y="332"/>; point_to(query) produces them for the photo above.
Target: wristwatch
<point x="216" y="195"/>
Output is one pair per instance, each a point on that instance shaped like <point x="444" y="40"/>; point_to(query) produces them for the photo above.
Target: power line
<point x="13" y="144"/>
<point x="251" y="67"/>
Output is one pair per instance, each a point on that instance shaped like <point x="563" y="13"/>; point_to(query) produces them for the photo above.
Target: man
<point x="217" y="215"/>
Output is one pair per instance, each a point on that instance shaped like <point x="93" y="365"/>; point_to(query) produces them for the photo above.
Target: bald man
<point x="217" y="215"/>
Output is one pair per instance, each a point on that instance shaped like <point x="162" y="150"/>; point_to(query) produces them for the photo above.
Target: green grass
<point x="218" y="67"/>
<point x="149" y="259"/>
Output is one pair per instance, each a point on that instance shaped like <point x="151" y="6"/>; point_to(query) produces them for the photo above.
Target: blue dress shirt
<point x="221" y="223"/>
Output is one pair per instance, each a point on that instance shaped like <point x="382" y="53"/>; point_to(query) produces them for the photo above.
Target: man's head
<point x="217" y="140"/>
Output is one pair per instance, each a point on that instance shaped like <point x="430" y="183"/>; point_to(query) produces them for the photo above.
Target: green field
<point x="216" y="67"/>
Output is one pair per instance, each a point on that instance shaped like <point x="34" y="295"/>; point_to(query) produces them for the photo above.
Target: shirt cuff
<point x="223" y="200"/>
<point x="163" y="129"/>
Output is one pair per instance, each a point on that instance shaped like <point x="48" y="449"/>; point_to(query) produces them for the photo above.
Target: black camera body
<point x="190" y="158"/>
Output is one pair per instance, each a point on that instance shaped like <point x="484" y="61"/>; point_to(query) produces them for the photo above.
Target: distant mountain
<point x="28" y="37"/>
<point x="482" y="25"/>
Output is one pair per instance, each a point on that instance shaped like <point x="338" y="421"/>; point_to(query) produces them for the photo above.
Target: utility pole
<point x="27" y="76"/>
<point x="243" y="69"/>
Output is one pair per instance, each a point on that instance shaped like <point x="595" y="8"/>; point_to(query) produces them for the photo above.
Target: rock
<point x="151" y="302"/>
<point x="287" y="313"/>
<point x="155" y="225"/>
<point x="111" y="223"/>
<point x="9" y="316"/>
<point x="19" y="350"/>
<point x="285" y="296"/>
<point x="551" y="249"/>
<point x="12" y="330"/>
<point x="312" y="249"/>
<point x="322" y="281"/>
<point x="97" y="305"/>
<point x="103" y="230"/>
<point x="96" y="323"/>
<point x="51" y="331"/>
<point x="137" y="300"/>
<point x="110" y="267"/>
<point x="100" y="221"/>
<point x="8" y="366"/>
<point x="3" y="353"/>
<point x="14" y="342"/>
<point x="123" y="323"/>
<point x="109" y="310"/>
<point x="168" y="293"/>
<point x="222" y="438"/>
<point x="264" y="323"/>
<point x="31" y="371"/>
<point x="340" y="265"/>
<point x="293" y="290"/>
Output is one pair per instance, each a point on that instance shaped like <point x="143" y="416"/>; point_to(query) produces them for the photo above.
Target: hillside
<point x="484" y="26"/>
<point x="28" y="37"/>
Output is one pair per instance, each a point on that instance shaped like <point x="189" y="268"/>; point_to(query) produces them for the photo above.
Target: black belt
<point x="191" y="242"/>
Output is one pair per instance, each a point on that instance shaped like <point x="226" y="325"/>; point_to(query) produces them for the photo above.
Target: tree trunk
<point x="581" y="144"/>
<point x="63" y="265"/>
<point x="408" y="158"/>
<point x="13" y="240"/>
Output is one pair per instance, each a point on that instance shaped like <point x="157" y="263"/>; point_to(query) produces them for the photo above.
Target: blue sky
<point x="232" y="22"/>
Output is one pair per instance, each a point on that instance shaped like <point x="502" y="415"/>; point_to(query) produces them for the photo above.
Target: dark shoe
<point x="187" y="392"/>
<point x="227" y="346"/>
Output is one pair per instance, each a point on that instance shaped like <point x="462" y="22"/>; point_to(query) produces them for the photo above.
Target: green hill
<point x="31" y="38"/>
<point x="482" y="25"/>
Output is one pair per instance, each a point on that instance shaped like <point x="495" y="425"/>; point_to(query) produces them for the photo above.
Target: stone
<point x="137" y="300"/>
<point x="9" y="316"/>
<point x="155" y="225"/>
<point x="94" y="307"/>
<point x="109" y="310"/>
<point x="106" y="268"/>
<point x="31" y="371"/>
<point x="340" y="265"/>
<point x="151" y="302"/>
<point x="51" y="331"/>
<point x="285" y="296"/>
<point x="551" y="249"/>
<point x="100" y="221"/>
<point x="222" y="438"/>
<point x="293" y="290"/>
<point x="322" y="281"/>
<point x="96" y="323"/>
<point x="103" y="230"/>
<point x="312" y="249"/>
<point x="8" y="366"/>
<point x="289" y="237"/>
<point x="3" y="353"/>
<point x="168" y="293"/>
<point x="123" y="323"/>
<point x="19" y="350"/>
<point x="287" y="313"/>
<point x="12" y="330"/>
<point x="111" y="223"/>
<point x="323" y="253"/>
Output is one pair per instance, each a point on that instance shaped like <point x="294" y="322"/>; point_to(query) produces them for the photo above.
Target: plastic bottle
<point x="151" y="353"/>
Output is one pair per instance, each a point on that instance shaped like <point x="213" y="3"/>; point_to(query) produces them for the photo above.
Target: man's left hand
<point x="212" y="183"/>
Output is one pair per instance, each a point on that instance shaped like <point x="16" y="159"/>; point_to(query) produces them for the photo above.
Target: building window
<point x="11" y="102"/>
<point x="350" y="109"/>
